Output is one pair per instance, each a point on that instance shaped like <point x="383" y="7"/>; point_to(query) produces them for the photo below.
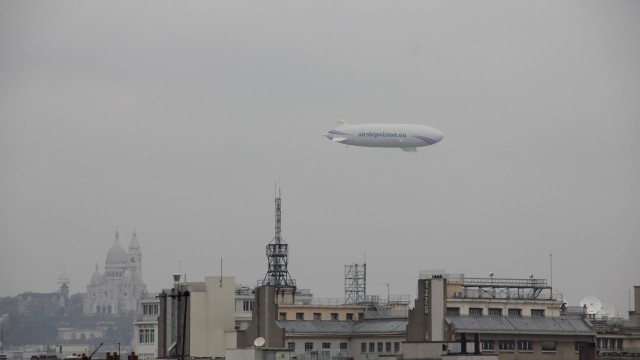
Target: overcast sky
<point x="176" y="119"/>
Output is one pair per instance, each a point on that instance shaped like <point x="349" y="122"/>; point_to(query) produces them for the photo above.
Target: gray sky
<point x="176" y="119"/>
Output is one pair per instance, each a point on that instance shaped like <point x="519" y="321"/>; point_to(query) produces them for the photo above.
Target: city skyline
<point x="175" y="121"/>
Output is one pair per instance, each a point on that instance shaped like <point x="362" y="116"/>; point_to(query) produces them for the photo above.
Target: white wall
<point x="146" y="350"/>
<point x="437" y="309"/>
<point x="212" y="317"/>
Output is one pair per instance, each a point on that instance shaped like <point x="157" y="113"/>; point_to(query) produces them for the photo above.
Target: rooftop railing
<point x="505" y="283"/>
<point x="370" y="300"/>
<point x="514" y="294"/>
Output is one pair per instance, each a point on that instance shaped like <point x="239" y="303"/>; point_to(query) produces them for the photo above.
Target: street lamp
<point x="118" y="358"/>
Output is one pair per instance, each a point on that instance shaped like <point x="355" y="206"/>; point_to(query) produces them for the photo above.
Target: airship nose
<point x="437" y="135"/>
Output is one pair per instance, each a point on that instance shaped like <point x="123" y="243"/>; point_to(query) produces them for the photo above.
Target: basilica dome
<point x="117" y="254"/>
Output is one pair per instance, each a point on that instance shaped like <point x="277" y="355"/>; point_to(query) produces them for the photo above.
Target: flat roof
<point x="516" y="324"/>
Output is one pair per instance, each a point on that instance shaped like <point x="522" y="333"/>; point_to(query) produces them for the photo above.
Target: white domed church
<point x="120" y="287"/>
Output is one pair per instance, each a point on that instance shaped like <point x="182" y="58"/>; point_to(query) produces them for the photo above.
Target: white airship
<point x="407" y="137"/>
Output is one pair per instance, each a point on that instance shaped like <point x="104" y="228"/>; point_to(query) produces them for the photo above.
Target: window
<point x="453" y="311"/>
<point x="360" y="316"/>
<point x="247" y="305"/>
<point x="505" y="345"/>
<point x="396" y="347"/>
<point x="609" y="343"/>
<point x="326" y="345"/>
<point x="334" y="316"/>
<point x="548" y="346"/>
<point x="602" y="343"/>
<point x="363" y="347"/>
<point x="343" y="346"/>
<point x="291" y="346"/>
<point x="495" y="312"/>
<point x="150" y="309"/>
<point x="283" y="316"/>
<point x="515" y="312"/>
<point x="147" y="334"/>
<point x="537" y="312"/>
<point x="525" y="345"/>
<point x="380" y="347"/>
<point x="387" y="347"/>
<point x="475" y="311"/>
<point x="486" y="345"/>
<point x="317" y="316"/>
<point x="349" y="316"/>
<point x="372" y="347"/>
<point x="615" y="344"/>
<point x="299" y="316"/>
<point x="308" y="346"/>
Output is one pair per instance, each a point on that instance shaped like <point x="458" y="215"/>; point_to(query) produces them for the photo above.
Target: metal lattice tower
<point x="277" y="255"/>
<point x="355" y="283"/>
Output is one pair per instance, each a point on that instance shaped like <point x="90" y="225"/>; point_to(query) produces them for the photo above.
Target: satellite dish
<point x="259" y="342"/>
<point x="607" y="309"/>
<point x="593" y="304"/>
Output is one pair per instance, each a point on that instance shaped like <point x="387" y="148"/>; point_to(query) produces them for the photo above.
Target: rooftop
<point x="386" y="326"/>
<point x="515" y="324"/>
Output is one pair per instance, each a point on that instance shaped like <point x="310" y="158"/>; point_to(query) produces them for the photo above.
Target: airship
<point x="407" y="137"/>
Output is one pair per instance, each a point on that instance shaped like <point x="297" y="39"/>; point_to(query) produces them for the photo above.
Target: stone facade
<point x="120" y="287"/>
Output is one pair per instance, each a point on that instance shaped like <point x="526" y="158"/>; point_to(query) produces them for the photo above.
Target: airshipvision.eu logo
<point x="383" y="134"/>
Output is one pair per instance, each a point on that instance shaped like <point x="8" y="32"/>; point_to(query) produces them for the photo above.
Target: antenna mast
<point x="277" y="255"/>
<point x="278" y="202"/>
<point x="355" y="283"/>
<point x="551" y="269"/>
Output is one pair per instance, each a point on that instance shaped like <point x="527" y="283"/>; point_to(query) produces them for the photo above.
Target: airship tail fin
<point x="342" y="123"/>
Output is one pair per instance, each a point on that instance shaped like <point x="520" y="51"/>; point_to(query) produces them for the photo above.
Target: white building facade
<point x="145" y="328"/>
<point x="120" y="287"/>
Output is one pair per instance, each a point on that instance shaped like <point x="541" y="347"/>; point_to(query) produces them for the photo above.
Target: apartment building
<point x="504" y="318"/>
